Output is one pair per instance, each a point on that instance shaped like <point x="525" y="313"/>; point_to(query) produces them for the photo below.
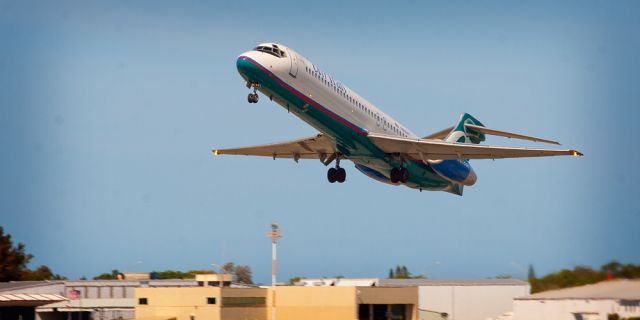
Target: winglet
<point x="215" y="152"/>
<point x="576" y="153"/>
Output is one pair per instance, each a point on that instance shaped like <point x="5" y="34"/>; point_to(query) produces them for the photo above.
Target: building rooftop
<point x="450" y="282"/>
<point x="13" y="285"/>
<point x="338" y="282"/>
<point x="368" y="282"/>
<point x="14" y="300"/>
<point x="616" y="289"/>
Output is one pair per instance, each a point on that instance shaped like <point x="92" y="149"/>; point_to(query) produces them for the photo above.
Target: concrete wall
<point x="470" y="302"/>
<point x="565" y="309"/>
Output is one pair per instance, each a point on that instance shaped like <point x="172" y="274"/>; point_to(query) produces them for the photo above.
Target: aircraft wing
<point x="316" y="147"/>
<point x="423" y="149"/>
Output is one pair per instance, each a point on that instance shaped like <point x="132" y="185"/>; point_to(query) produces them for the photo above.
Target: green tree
<point x="243" y="274"/>
<point x="531" y="274"/>
<point x="42" y="273"/>
<point x="107" y="276"/>
<point x="402" y="272"/>
<point x="228" y="267"/>
<point x="13" y="260"/>
<point x="295" y="280"/>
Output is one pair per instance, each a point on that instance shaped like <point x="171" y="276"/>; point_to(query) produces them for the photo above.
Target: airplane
<point x="352" y="128"/>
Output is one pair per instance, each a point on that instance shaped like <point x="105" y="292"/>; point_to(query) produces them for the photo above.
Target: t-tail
<point x="459" y="172"/>
<point x="463" y="134"/>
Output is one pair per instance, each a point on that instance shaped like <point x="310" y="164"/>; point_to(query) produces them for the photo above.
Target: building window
<point x="243" y="301"/>
<point x="143" y="301"/>
<point x="211" y="300"/>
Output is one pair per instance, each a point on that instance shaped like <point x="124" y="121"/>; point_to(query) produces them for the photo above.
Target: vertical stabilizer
<point x="462" y="134"/>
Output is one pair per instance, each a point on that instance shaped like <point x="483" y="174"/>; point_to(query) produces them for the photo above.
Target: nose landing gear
<point x="253" y="97"/>
<point x="337" y="174"/>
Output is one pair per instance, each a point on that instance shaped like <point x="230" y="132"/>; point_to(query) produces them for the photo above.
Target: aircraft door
<point x="293" y="57"/>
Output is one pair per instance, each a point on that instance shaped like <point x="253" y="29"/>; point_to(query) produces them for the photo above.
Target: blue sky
<point x="110" y="110"/>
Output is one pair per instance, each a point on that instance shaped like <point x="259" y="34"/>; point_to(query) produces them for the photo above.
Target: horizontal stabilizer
<point x="507" y="134"/>
<point x="440" y="135"/>
<point x="421" y="149"/>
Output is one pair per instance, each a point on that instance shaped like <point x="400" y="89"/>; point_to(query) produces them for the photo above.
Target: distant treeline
<point x="160" y="275"/>
<point x="242" y="273"/>
<point x="581" y="275"/>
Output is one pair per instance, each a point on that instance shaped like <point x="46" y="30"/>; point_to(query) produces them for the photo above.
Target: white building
<point x="479" y="299"/>
<point x="590" y="302"/>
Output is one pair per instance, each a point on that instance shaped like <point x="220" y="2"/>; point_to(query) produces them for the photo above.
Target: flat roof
<point x="451" y="282"/>
<point x="20" y="299"/>
<point x="615" y="289"/>
<point x="15" y="285"/>
<point x="410" y="282"/>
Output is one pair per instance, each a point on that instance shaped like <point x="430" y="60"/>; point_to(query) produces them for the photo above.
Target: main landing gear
<point x="399" y="174"/>
<point x="337" y="174"/>
<point x="253" y="97"/>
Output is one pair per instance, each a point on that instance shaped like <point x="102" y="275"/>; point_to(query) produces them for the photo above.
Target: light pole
<point x="275" y="235"/>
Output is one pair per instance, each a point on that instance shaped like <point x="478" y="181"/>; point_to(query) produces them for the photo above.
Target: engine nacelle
<point x="454" y="171"/>
<point x="373" y="174"/>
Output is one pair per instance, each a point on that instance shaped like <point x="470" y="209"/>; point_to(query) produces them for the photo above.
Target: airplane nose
<point x="246" y="67"/>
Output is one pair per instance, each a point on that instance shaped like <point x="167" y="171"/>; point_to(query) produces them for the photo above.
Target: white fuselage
<point x="332" y="94"/>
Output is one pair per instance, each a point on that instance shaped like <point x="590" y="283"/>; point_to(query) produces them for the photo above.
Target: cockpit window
<point x="271" y="50"/>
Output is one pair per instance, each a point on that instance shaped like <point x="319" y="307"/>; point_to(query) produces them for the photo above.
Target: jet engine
<point x="455" y="171"/>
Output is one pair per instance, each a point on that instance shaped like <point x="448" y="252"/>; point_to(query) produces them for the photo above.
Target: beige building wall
<point x="178" y="303"/>
<point x="311" y="303"/>
<point x="244" y="304"/>
<point x="336" y="303"/>
<point x="389" y="295"/>
<point x="193" y="303"/>
<point x="292" y="303"/>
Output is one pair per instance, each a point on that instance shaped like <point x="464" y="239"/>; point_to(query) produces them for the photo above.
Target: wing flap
<point x="422" y="149"/>
<point x="316" y="147"/>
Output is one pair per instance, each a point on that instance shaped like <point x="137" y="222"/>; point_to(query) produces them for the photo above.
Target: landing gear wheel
<point x="399" y="175"/>
<point x="332" y="175"/>
<point x="395" y="175"/>
<point x="252" y="97"/>
<point x="404" y="175"/>
<point x="341" y="175"/>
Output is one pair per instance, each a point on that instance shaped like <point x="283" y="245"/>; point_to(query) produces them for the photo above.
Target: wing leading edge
<point x="316" y="147"/>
